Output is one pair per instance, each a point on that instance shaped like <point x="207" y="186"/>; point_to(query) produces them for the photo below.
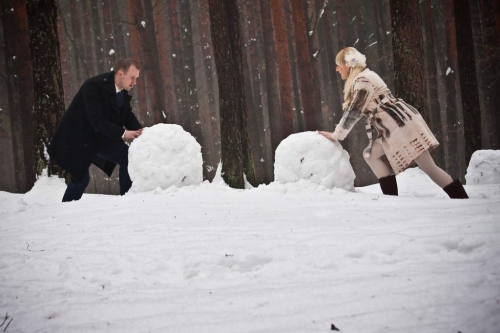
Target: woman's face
<point x="343" y="70"/>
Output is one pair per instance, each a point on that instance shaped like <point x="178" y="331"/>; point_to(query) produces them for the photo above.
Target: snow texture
<point x="285" y="257"/>
<point x="164" y="155"/>
<point x="484" y="168"/>
<point x="310" y="156"/>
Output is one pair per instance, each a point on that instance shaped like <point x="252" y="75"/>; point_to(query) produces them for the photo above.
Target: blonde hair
<point x="356" y="65"/>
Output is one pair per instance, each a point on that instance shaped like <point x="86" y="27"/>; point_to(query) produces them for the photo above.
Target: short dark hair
<point x="125" y="63"/>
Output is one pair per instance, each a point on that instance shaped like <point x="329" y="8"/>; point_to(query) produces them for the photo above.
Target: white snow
<point x="111" y="52"/>
<point x="312" y="157"/>
<point x="448" y="71"/>
<point x="484" y="167"/>
<point x="164" y="155"/>
<point x="287" y="257"/>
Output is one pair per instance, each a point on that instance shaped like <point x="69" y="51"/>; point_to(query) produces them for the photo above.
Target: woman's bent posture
<point x="395" y="129"/>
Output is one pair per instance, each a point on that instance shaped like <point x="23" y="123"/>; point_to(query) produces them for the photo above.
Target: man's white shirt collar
<point x="117" y="90"/>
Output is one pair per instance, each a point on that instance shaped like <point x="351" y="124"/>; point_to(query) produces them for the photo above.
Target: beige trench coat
<point x="398" y="126"/>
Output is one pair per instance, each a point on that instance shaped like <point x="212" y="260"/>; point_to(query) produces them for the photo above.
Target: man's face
<point x="127" y="80"/>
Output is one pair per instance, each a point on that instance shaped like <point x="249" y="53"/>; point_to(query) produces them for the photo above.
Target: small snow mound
<point x="312" y="157"/>
<point x="46" y="190"/>
<point x="484" y="168"/>
<point x="218" y="180"/>
<point x="163" y="156"/>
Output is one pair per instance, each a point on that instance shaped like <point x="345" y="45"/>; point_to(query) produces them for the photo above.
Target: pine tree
<point x="235" y="146"/>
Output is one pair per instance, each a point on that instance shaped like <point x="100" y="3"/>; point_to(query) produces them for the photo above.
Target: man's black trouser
<point x="116" y="152"/>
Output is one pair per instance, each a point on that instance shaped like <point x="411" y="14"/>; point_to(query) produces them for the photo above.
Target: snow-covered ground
<point x="277" y="258"/>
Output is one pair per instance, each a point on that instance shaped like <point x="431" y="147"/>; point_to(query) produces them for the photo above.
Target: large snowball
<point x="311" y="156"/>
<point x="164" y="155"/>
<point x="484" y="168"/>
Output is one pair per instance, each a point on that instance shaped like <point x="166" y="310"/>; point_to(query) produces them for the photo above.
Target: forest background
<point x="291" y="86"/>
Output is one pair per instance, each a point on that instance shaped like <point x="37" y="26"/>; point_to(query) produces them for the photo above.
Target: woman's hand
<point x="327" y="135"/>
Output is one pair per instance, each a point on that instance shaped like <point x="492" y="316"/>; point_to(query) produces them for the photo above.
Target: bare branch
<point x="127" y="23"/>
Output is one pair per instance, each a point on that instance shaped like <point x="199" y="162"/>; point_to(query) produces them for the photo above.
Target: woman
<point x="395" y="129"/>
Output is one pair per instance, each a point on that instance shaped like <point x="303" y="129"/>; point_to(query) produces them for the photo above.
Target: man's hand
<point x="131" y="135"/>
<point x="327" y="135"/>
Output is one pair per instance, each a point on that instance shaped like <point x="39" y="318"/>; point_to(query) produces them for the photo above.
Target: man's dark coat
<point x="92" y="119"/>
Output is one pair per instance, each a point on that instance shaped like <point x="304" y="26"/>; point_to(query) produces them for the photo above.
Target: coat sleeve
<point x="361" y="96"/>
<point x="131" y="122"/>
<point x="94" y="106"/>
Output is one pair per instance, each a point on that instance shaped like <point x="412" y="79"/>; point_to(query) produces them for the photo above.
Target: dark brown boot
<point x="389" y="185"/>
<point x="455" y="190"/>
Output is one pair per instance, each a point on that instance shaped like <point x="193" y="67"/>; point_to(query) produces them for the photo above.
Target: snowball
<point x="164" y="155"/>
<point x="312" y="157"/>
<point x="484" y="168"/>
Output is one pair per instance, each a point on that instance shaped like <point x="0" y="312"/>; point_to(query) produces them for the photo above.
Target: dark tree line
<point x="288" y="66"/>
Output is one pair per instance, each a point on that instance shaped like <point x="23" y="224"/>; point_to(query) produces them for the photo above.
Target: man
<point x="94" y="128"/>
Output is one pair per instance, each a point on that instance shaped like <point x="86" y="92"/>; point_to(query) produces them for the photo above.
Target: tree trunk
<point x="118" y="31"/>
<point x="309" y="85"/>
<point x="88" y="38"/>
<point x="272" y="83"/>
<point x="252" y="127"/>
<point x="177" y="68"/>
<point x="81" y="72"/>
<point x="360" y="26"/>
<point x="434" y="108"/>
<point x="7" y="162"/>
<point x="47" y="79"/>
<point x="468" y="81"/>
<point x="164" y="62"/>
<point x="328" y="81"/>
<point x="298" y="111"/>
<point x="346" y="38"/>
<point x="488" y="38"/>
<point x="97" y="27"/>
<point x="143" y="23"/>
<point x="208" y="96"/>
<point x="189" y="69"/>
<point x="109" y="38"/>
<point x="236" y="155"/>
<point x="454" y="164"/>
<point x="268" y="161"/>
<point x="254" y="95"/>
<point x="20" y="90"/>
<point x="384" y="50"/>
<point x="284" y="68"/>
<point x="357" y="140"/>
<point x="496" y="13"/>
<point x="140" y="100"/>
<point x="332" y="50"/>
<point x="408" y="51"/>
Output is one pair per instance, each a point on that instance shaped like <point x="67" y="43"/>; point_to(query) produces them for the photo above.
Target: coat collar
<point x="110" y="85"/>
<point x="110" y="89"/>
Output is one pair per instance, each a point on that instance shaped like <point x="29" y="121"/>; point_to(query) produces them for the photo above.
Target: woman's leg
<point x="387" y="181"/>
<point x="438" y="175"/>
<point x="375" y="162"/>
